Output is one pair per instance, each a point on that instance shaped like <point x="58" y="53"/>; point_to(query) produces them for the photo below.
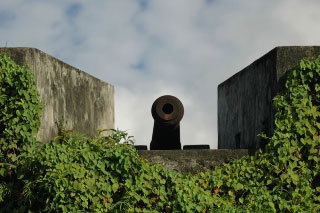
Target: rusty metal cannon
<point x="167" y="112"/>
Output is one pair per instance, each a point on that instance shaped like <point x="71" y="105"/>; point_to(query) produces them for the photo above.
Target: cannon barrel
<point x="167" y="112"/>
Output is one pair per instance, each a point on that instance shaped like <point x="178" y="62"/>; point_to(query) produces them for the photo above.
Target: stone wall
<point x="70" y="96"/>
<point x="192" y="161"/>
<point x="245" y="99"/>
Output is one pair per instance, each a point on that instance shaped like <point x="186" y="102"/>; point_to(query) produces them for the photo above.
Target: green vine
<point x="19" y="120"/>
<point x="20" y="106"/>
<point x="285" y="177"/>
<point x="73" y="173"/>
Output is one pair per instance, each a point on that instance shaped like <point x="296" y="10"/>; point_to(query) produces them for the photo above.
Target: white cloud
<point x="152" y="48"/>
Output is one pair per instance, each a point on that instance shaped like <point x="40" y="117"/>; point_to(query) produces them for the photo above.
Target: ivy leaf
<point x="271" y="204"/>
<point x="115" y="187"/>
<point x="237" y="186"/>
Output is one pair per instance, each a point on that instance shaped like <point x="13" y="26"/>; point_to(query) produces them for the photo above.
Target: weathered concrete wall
<point x="192" y="161"/>
<point x="70" y="96"/>
<point x="245" y="99"/>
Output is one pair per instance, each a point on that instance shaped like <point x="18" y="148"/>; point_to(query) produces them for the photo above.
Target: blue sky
<point x="149" y="48"/>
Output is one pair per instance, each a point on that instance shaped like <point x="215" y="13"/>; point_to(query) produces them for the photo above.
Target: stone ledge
<point x="192" y="161"/>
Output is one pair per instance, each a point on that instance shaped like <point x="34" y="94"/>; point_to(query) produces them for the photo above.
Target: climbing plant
<point x="105" y="174"/>
<point x="20" y="106"/>
<point x="20" y="111"/>
<point x="286" y="176"/>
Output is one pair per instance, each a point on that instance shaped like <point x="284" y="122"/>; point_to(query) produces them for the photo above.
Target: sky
<point x="150" y="48"/>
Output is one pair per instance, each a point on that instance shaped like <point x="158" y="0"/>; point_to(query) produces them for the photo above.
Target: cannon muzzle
<point x="167" y="112"/>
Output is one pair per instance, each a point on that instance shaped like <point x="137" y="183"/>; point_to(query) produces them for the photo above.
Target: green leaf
<point x="283" y="177"/>
<point x="3" y="171"/>
<point x="115" y="187"/>
<point x="237" y="186"/>
<point x="271" y="204"/>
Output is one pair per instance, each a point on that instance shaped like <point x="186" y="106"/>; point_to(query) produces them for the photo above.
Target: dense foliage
<point x="286" y="175"/>
<point x="105" y="174"/>
<point x="20" y="112"/>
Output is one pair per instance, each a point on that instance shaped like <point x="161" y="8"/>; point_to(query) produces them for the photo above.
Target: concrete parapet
<point x="245" y="99"/>
<point x="72" y="97"/>
<point x="192" y="161"/>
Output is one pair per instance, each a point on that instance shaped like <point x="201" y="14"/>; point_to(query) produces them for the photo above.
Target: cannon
<point x="167" y="112"/>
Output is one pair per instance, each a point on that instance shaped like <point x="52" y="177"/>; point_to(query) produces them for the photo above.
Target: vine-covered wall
<point x="71" y="97"/>
<point x="245" y="99"/>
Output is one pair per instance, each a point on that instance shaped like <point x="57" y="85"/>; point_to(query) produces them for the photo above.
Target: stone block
<point x="192" y="161"/>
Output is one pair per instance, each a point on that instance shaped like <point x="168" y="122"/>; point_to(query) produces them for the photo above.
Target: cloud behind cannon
<point x="151" y="48"/>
